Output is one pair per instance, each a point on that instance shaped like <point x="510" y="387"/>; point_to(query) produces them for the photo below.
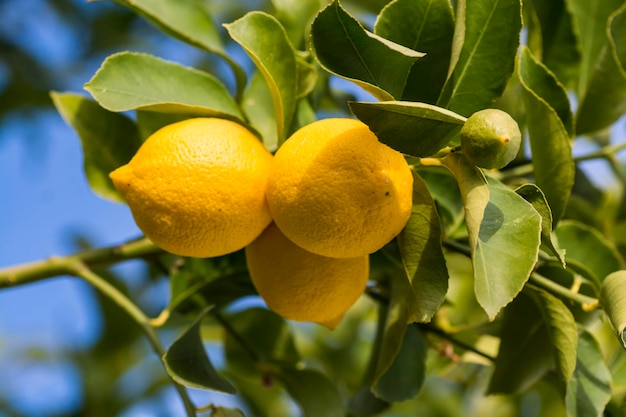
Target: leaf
<point x="525" y="353"/>
<point x="558" y="45"/>
<point x="590" y="18"/>
<point x="189" y="21"/>
<point x="425" y="26"/>
<point x="135" y="81"/>
<point x="422" y="255"/>
<point x="187" y="363"/>
<point x="589" y="390"/>
<point x="265" y="41"/>
<point x="226" y="412"/>
<point x="588" y="247"/>
<point x="504" y="235"/>
<point x="267" y="333"/>
<point x="604" y="101"/>
<point x="405" y="377"/>
<point x="416" y="129"/>
<point x="109" y="140"/>
<point x="316" y="395"/>
<point x="562" y="331"/>
<point x="534" y="195"/>
<point x="486" y="39"/>
<point x="550" y="145"/>
<point x="258" y="107"/>
<point x="613" y="301"/>
<point x="295" y="16"/>
<point x="343" y="47"/>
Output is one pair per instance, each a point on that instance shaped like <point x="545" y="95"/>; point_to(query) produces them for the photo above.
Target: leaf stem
<point x="60" y="265"/>
<point x="81" y="270"/>
<point x="254" y="354"/>
<point x="430" y="328"/>
<point x="587" y="303"/>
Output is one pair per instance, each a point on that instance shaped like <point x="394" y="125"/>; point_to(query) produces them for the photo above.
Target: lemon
<point x="197" y="187"/>
<point x="336" y="191"/>
<point x="300" y="285"/>
<point x="490" y="139"/>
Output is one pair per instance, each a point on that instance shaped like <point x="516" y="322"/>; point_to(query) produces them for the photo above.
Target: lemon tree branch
<point x="57" y="266"/>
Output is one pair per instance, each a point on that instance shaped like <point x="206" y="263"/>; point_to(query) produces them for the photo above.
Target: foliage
<point x="505" y="285"/>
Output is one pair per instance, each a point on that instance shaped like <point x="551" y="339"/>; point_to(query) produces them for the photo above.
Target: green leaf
<point x="550" y="145"/>
<point x="189" y="21"/>
<point x="405" y="377"/>
<point x="486" y="39"/>
<point x="226" y="412"/>
<point x="316" y="395"/>
<point x="258" y="107"/>
<point x="416" y="129"/>
<point x="589" y="390"/>
<point x="604" y="101"/>
<point x="135" y="81"/>
<point x="109" y="140"/>
<point x="562" y="332"/>
<point x="265" y="332"/>
<point x="590" y="24"/>
<point x="613" y="301"/>
<point x="551" y="24"/>
<point x="187" y="362"/>
<point x="265" y="41"/>
<point x="343" y="47"/>
<point x="534" y="195"/>
<point x="295" y="16"/>
<point x="422" y="254"/>
<point x="425" y="26"/>
<point x="526" y="351"/>
<point x="588" y="247"/>
<point x="504" y="235"/>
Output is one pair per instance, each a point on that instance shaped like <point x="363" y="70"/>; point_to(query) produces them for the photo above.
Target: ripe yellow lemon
<point x="336" y="191"/>
<point x="197" y="187"/>
<point x="300" y="285"/>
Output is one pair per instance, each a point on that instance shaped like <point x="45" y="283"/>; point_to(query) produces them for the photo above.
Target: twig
<point x="81" y="270"/>
<point x="57" y="266"/>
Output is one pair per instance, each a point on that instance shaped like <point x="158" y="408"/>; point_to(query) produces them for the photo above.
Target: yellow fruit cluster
<point x="309" y="216"/>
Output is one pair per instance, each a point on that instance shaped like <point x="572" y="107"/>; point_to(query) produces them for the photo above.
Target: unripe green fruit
<point x="490" y="139"/>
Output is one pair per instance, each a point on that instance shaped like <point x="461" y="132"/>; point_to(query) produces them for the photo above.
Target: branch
<point x="56" y="266"/>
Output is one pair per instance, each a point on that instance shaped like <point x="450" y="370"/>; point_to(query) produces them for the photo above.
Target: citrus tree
<point x="503" y="289"/>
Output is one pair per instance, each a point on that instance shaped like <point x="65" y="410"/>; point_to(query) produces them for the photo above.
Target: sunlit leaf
<point x="590" y="19"/>
<point x="109" y="140"/>
<point x="562" y="332"/>
<point x="589" y="390"/>
<point x="486" y="39"/>
<point x="416" y="129"/>
<point x="405" y="377"/>
<point x="549" y="139"/>
<point x="425" y="26"/>
<point x="295" y="15"/>
<point x="551" y="23"/>
<point x="504" y="235"/>
<point x="189" y="21"/>
<point x="316" y="395"/>
<point x="130" y="81"/>
<point x="422" y="254"/>
<point x="259" y="109"/>
<point x="604" y="101"/>
<point x="534" y="195"/>
<point x="266" y="42"/>
<point x="613" y="301"/>
<point x="186" y="361"/>
<point x="345" y="48"/>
